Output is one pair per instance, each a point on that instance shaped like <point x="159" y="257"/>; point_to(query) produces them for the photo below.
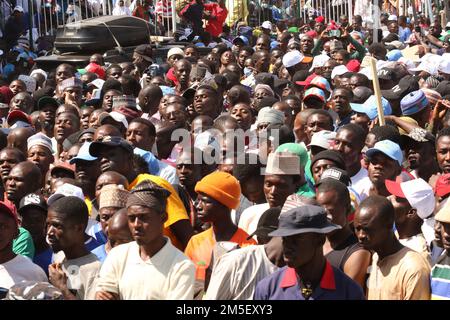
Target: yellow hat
<point x="409" y="120"/>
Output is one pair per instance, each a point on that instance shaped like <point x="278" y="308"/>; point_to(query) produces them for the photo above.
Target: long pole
<point x="30" y="21"/>
<point x="377" y="91"/>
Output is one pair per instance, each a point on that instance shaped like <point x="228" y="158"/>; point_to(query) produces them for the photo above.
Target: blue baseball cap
<point x="242" y="38"/>
<point x="413" y="102"/>
<point x="388" y="148"/>
<point x="369" y="107"/>
<point x="394" y="55"/>
<point x="83" y="154"/>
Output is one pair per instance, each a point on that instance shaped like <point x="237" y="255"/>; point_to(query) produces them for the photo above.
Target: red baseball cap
<point x="394" y="188"/>
<point x="9" y="210"/>
<point x="320" y="19"/>
<point x="442" y="187"/>
<point x="307" y="80"/>
<point x="97" y="69"/>
<point x="17" y="115"/>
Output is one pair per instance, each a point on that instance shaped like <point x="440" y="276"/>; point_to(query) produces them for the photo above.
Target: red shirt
<point x="214" y="26"/>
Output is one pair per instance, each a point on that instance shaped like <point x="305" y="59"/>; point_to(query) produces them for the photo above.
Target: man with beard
<point x="386" y="160"/>
<point x="47" y="106"/>
<point x="340" y="99"/>
<point x="307" y="275"/>
<point x="162" y="272"/>
<point x="397" y="273"/>
<point x="182" y="70"/>
<point x="74" y="269"/>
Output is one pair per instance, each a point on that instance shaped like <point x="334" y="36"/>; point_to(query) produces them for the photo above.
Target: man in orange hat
<point x="218" y="193"/>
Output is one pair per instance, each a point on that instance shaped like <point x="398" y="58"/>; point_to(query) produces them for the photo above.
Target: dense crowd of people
<point x="261" y="170"/>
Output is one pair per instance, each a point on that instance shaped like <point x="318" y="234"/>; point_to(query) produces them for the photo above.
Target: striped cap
<point x="432" y="95"/>
<point x="413" y="102"/>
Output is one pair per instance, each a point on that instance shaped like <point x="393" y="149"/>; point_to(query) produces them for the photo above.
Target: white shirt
<point x="236" y="274"/>
<point x="167" y="172"/>
<point x="121" y="11"/>
<point x="358" y="182"/>
<point x="250" y="217"/>
<point x="167" y="275"/>
<point x="20" y="269"/>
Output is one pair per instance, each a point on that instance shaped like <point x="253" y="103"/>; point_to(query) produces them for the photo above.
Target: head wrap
<point x="148" y="194"/>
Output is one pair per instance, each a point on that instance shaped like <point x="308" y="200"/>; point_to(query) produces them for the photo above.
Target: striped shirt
<point x="164" y="8"/>
<point x="440" y="279"/>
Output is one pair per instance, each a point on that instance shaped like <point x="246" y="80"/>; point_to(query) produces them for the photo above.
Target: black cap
<point x="88" y="130"/>
<point x="335" y="174"/>
<point x="331" y="155"/>
<point x="45" y="101"/>
<point x="386" y="74"/>
<point x="267" y="223"/>
<point x="406" y="85"/>
<point x="109" y="141"/>
<point x="443" y="88"/>
<point x="361" y="94"/>
<point x="32" y="200"/>
<point x="145" y="50"/>
<point x="304" y="219"/>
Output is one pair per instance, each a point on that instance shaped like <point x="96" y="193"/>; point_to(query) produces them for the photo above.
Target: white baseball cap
<point x="338" y="71"/>
<point x="418" y="193"/>
<point x="444" y="66"/>
<point x="66" y="190"/>
<point x="319" y="61"/>
<point x="322" y="139"/>
<point x="18" y="8"/>
<point x="267" y="25"/>
<point x="174" y="51"/>
<point x="292" y="58"/>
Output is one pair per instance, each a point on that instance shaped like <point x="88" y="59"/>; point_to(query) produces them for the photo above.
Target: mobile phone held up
<point x="334" y="33"/>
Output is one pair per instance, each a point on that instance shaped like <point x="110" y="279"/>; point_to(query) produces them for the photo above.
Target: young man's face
<point x="61" y="234"/>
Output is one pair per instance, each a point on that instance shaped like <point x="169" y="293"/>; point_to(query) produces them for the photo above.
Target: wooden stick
<point x="377" y="91"/>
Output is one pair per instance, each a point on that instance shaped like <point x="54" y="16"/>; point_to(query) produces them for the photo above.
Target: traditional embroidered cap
<point x="30" y="82"/>
<point x="418" y="193"/>
<point x="283" y="163"/>
<point x="113" y="195"/>
<point x="124" y="101"/>
<point x="70" y="83"/>
<point x="40" y="139"/>
<point x="413" y="102"/>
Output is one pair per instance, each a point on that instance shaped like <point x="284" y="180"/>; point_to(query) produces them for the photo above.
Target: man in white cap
<point x="295" y="61"/>
<point x="174" y="55"/>
<point x="413" y="201"/>
<point x="40" y="151"/>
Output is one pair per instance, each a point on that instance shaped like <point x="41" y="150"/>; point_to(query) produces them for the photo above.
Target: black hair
<point x="247" y="166"/>
<point x="72" y="208"/>
<point x="386" y="132"/>
<point x="130" y="85"/>
<point x="291" y="97"/>
<point x="349" y="91"/>
<point x="344" y="53"/>
<point x="383" y="207"/>
<point x="324" y="113"/>
<point x="443" y="133"/>
<point x="140" y="165"/>
<point x="378" y="50"/>
<point x="221" y="121"/>
<point x="248" y="49"/>
<point x="329" y="184"/>
<point x="148" y="123"/>
<point x="238" y="94"/>
<point x="358" y="131"/>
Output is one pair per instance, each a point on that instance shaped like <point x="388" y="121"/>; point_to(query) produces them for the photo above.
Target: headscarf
<point x="148" y="194"/>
